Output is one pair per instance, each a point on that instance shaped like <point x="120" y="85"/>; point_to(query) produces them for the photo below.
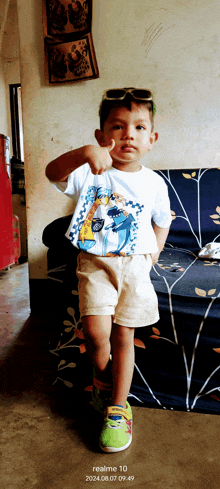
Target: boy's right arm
<point x="98" y="158"/>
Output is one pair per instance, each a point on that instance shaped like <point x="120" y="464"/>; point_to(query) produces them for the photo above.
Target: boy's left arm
<point x="161" y="236"/>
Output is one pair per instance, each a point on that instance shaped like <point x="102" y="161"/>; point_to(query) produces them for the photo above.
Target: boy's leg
<point x="116" y="434"/>
<point x="122" y="342"/>
<point x="97" y="332"/>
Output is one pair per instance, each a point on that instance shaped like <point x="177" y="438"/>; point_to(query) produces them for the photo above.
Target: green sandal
<point x="116" y="435"/>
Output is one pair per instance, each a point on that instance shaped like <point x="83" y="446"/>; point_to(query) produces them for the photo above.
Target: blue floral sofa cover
<point x="177" y="360"/>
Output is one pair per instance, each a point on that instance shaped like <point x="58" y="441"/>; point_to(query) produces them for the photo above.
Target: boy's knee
<point x="95" y="329"/>
<point x="96" y="338"/>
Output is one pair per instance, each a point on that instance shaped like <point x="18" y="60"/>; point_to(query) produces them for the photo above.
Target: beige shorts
<point x="117" y="286"/>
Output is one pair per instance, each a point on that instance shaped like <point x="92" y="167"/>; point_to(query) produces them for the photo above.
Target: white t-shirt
<point x="115" y="210"/>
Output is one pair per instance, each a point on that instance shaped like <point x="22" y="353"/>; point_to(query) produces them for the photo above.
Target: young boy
<point x="117" y="199"/>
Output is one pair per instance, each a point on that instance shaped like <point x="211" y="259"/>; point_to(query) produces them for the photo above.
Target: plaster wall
<point x="171" y="48"/>
<point x="10" y="62"/>
<point x="10" y="58"/>
<point x="3" y="106"/>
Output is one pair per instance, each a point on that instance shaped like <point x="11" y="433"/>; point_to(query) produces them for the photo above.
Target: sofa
<point x="177" y="360"/>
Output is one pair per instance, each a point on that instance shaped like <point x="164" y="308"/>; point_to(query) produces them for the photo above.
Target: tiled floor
<point x="48" y="441"/>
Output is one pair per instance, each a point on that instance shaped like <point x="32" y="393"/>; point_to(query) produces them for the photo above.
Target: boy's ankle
<point x="116" y="402"/>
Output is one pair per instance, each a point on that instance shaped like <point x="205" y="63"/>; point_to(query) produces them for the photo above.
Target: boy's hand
<point x="99" y="157"/>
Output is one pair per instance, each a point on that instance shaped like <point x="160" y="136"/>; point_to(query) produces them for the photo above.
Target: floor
<point x="49" y="442"/>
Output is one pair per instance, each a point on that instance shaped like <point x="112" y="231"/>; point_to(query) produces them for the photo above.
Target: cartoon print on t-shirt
<point x="124" y="224"/>
<point x="86" y="239"/>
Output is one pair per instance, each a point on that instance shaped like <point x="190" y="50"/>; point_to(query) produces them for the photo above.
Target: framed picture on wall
<point x="63" y="17"/>
<point x="69" y="49"/>
<point x="71" y="61"/>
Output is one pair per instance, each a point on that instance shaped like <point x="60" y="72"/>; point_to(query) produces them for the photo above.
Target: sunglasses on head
<point x="136" y="93"/>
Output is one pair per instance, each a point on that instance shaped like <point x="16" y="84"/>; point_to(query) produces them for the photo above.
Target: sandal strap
<point x="117" y="411"/>
<point x="102" y="386"/>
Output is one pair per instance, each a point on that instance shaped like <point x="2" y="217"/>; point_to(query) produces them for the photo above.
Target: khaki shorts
<point x="117" y="286"/>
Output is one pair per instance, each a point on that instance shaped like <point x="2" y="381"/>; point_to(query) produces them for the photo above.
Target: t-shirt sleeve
<point x="161" y="213"/>
<point x="74" y="183"/>
<point x="68" y="188"/>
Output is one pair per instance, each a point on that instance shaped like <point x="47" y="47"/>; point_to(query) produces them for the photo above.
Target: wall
<point x="172" y="49"/>
<point x="3" y="87"/>
<point x="3" y="106"/>
<point x="10" y="58"/>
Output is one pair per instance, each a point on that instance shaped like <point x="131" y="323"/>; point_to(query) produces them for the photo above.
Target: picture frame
<point x="71" y="61"/>
<point x="69" y="50"/>
<point x="63" y="18"/>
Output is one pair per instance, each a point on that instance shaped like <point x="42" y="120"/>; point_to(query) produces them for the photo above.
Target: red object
<point x="7" y="244"/>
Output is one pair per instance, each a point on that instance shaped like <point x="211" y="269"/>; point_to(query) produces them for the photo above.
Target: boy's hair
<point x="107" y="105"/>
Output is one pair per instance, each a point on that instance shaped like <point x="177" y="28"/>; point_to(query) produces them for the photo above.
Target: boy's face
<point x="131" y="131"/>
